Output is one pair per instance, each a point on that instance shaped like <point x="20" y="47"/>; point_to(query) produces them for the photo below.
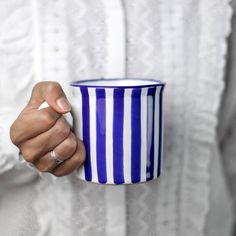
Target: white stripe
<point x="76" y="103"/>
<point x="127" y="136"/>
<point x="156" y="131"/>
<point x="109" y="135"/>
<point x="143" y="134"/>
<point x="115" y="67"/>
<point x="93" y="134"/>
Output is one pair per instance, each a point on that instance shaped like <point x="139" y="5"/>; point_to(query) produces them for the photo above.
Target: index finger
<point x="32" y="123"/>
<point x="52" y="93"/>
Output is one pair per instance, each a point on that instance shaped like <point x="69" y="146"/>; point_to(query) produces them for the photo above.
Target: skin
<point x="37" y="132"/>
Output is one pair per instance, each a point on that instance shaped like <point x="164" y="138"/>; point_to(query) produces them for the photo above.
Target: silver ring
<point x="55" y="158"/>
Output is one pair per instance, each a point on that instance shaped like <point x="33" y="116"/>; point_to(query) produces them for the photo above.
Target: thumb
<point x="52" y="93"/>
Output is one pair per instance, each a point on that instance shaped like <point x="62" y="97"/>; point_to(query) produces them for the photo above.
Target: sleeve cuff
<point x="9" y="153"/>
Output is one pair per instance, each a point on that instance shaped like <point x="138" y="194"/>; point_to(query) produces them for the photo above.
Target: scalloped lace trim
<point x="182" y="193"/>
<point x="195" y="179"/>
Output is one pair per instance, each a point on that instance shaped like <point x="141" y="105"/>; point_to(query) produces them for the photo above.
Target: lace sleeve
<point x="16" y="72"/>
<point x="8" y="152"/>
<point x="227" y="125"/>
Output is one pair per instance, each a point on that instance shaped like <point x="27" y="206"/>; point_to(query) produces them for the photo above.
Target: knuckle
<point x="79" y="160"/>
<point x="53" y="86"/>
<point x="47" y="119"/>
<point x="70" y="142"/>
<point x="43" y="168"/>
<point x="16" y="131"/>
<point x="49" y="84"/>
<point x="28" y="155"/>
<point x="37" y="85"/>
<point x="62" y="129"/>
<point x="81" y="156"/>
<point x="13" y="135"/>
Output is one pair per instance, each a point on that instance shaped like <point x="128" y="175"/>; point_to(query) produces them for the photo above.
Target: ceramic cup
<point x="120" y="122"/>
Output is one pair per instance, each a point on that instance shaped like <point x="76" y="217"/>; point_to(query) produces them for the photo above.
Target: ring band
<point x="55" y="158"/>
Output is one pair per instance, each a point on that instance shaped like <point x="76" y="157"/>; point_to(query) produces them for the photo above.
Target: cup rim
<point x="80" y="83"/>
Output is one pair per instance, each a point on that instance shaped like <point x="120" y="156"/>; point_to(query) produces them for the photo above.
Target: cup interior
<point x="114" y="83"/>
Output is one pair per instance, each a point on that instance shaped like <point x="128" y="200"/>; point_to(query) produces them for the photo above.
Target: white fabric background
<point x="182" y="42"/>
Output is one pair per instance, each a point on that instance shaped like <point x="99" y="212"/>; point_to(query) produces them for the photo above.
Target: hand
<point x="37" y="132"/>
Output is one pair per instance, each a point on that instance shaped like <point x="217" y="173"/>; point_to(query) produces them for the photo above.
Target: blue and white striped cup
<point x="120" y="122"/>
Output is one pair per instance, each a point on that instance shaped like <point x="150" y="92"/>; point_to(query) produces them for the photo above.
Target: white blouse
<point x="181" y="42"/>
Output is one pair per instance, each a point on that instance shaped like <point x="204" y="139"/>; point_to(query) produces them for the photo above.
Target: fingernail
<point x="63" y="104"/>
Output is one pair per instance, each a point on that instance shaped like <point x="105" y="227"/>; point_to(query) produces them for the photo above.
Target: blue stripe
<point x="160" y="131"/>
<point x="86" y="132"/>
<point x="118" y="127"/>
<point x="150" y="169"/>
<point x="135" y="135"/>
<point x="101" y="134"/>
